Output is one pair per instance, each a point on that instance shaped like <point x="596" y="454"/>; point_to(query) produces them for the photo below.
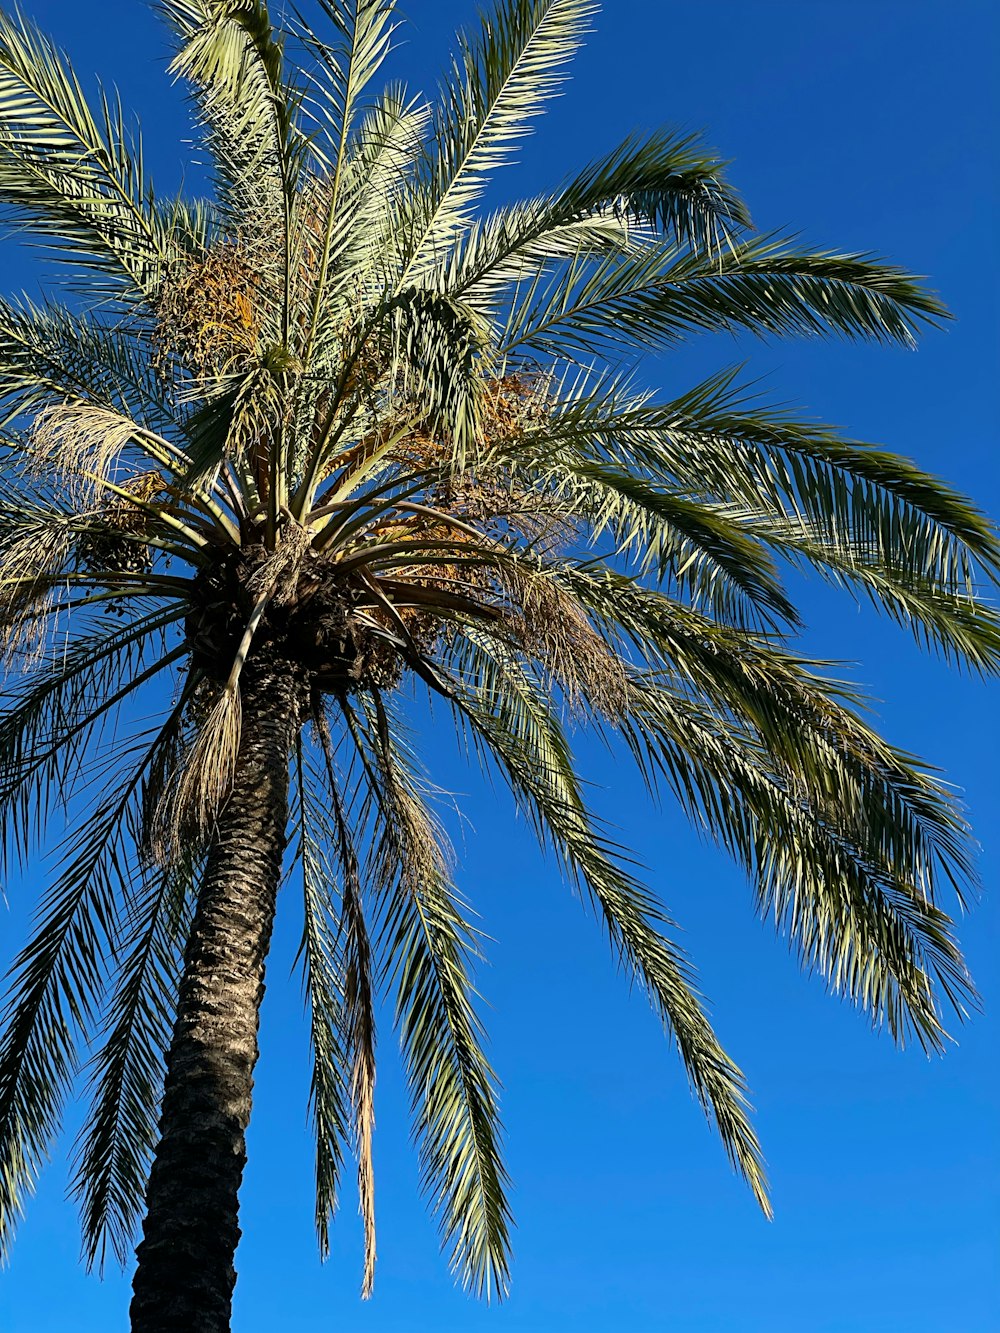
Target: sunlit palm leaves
<point x="338" y="415"/>
<point x="73" y="174"/>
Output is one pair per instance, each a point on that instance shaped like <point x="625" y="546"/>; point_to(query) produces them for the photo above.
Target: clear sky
<point x="862" y="124"/>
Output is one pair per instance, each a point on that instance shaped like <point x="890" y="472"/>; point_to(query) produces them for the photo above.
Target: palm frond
<point x="202" y="778"/>
<point x="47" y="355"/>
<point x="667" y="184"/>
<point x="762" y="285"/>
<point x="358" y="1000"/>
<point x="437" y="343"/>
<point x="58" y="979"/>
<point x="864" y="518"/>
<point x="427" y="943"/>
<point x="51" y="713"/>
<point x="350" y="232"/>
<point x="233" y="58"/>
<point x="500" y="80"/>
<point x="802" y="723"/>
<point x="516" y="727"/>
<point x="959" y="624"/>
<point x="848" y="841"/>
<point x="854" y="908"/>
<point x="330" y="1092"/>
<point x="364" y="31"/>
<point x="115" y="1147"/>
<point x="701" y="547"/>
<point x="71" y="176"/>
<point x="720" y="441"/>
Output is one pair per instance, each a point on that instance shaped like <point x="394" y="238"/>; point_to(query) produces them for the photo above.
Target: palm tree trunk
<point x="185" y="1278"/>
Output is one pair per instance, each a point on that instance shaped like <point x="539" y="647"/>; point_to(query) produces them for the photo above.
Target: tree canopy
<point x="342" y="425"/>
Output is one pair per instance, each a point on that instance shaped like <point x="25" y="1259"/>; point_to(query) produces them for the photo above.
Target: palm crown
<point x="340" y="427"/>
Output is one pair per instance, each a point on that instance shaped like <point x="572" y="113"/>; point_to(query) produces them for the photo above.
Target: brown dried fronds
<point x="79" y="443"/>
<point x="359" y="1006"/>
<point x="192" y="798"/>
<point x="156" y="787"/>
<point x="362" y="1089"/>
<point x="549" y="626"/>
<point x="29" y="565"/>
<point x="211" y="312"/>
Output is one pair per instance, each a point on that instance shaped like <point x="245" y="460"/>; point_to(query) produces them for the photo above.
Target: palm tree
<point x="339" y="439"/>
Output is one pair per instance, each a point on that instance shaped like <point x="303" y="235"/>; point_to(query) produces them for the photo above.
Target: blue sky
<point x="861" y="124"/>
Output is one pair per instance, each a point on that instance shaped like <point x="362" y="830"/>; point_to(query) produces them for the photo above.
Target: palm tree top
<point x="343" y="423"/>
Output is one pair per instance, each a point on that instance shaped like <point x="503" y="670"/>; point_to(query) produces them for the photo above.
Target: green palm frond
<point x="701" y="547"/>
<point x="58" y="980"/>
<point x="954" y="623"/>
<point x="233" y="59"/>
<point x="388" y="149"/>
<point x="854" y="916"/>
<point x="863" y="517"/>
<point x="428" y="944"/>
<point x="762" y="285"/>
<point x="52" y="711"/>
<point x="517" y="730"/>
<point x="501" y="79"/>
<point x="804" y="724"/>
<point x="779" y="454"/>
<point x="720" y="440"/>
<point x="115" y="1147"/>
<point x="71" y="176"/>
<point x="847" y="840"/>
<point x="46" y="353"/>
<point x="344" y="70"/>
<point x="666" y="184"/>
<point x="349" y="238"/>
<point x="437" y="346"/>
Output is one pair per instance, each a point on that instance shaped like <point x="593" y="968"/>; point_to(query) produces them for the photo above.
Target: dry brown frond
<point x="191" y="801"/>
<point x="549" y="627"/>
<point x="363" y="1087"/>
<point x="358" y="1001"/>
<point x="28" y="567"/>
<point x="79" y="443"/>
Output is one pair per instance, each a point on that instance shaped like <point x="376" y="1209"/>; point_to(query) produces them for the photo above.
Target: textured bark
<point x="185" y="1278"/>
